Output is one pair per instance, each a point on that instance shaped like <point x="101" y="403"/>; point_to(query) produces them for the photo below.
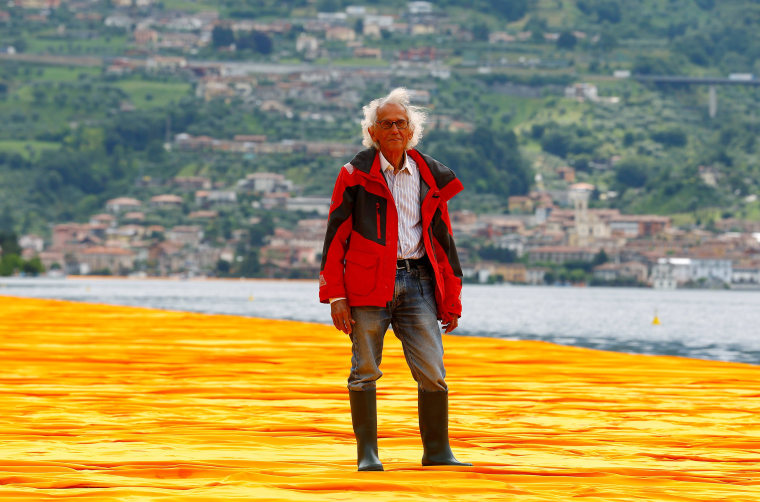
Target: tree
<point x="222" y="36"/>
<point x="486" y="161"/>
<point x="632" y="172"/>
<point x="600" y="258"/>
<point x="513" y="10"/>
<point x="262" y="42"/>
<point x="9" y="264"/>
<point x="6" y="222"/>
<point x="33" y="266"/>
<point x="250" y="266"/>
<point x="328" y="5"/>
<point x="556" y="142"/>
<point x="566" y="40"/>
<point x="671" y="136"/>
<point x="480" y="32"/>
<point x="19" y="44"/>
<point x="9" y="244"/>
<point x="255" y="41"/>
<point x="607" y="40"/>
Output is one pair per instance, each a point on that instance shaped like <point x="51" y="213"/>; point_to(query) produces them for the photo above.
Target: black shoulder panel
<point x="364" y="159"/>
<point x="442" y="174"/>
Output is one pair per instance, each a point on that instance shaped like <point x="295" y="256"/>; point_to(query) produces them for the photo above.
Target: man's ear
<point x="371" y="134"/>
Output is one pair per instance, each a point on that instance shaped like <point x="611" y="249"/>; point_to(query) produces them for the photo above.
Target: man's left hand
<point x="452" y="324"/>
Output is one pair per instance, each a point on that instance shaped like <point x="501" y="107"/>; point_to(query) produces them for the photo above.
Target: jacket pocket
<point x="361" y="272"/>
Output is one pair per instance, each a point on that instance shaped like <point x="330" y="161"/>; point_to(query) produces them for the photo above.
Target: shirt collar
<point x="408" y="164"/>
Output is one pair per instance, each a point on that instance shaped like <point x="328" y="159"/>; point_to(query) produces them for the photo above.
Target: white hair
<point x="398" y="96"/>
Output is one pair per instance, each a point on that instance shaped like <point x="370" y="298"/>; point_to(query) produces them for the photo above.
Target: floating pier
<point x="105" y="403"/>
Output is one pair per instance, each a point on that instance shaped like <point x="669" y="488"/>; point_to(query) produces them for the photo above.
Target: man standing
<point x="389" y="259"/>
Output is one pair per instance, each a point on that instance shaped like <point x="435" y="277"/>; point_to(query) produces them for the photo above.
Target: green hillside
<point x="73" y="133"/>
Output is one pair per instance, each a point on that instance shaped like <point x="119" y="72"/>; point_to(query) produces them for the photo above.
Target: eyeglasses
<point x="387" y="124"/>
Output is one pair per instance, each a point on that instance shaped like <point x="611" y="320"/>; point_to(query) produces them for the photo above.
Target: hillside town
<point x="540" y="232"/>
<point x="264" y="224"/>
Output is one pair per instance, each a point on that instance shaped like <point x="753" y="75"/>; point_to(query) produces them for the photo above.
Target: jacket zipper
<point x="379" y="235"/>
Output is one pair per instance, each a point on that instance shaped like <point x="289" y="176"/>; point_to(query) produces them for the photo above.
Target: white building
<point x="320" y="205"/>
<point x="748" y="276"/>
<point x="265" y="183"/>
<point x="582" y="91"/>
<point x="420" y="8"/>
<point x="669" y="273"/>
<point x="711" y="269"/>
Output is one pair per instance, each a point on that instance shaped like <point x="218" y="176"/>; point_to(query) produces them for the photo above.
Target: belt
<point x="409" y="263"/>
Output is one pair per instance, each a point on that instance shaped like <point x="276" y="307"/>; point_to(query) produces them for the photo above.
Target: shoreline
<point x="735" y="287"/>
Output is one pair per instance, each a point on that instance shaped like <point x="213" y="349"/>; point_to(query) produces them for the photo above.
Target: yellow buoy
<point x="656" y="320"/>
<point x="250" y="298"/>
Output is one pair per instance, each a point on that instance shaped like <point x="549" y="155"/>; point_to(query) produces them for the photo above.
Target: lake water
<point x="722" y="325"/>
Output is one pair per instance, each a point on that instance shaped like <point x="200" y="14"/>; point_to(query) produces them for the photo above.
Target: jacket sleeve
<point x="339" y="226"/>
<point x="448" y="263"/>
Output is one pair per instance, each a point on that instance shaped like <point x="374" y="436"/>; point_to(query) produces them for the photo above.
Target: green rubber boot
<point x="434" y="428"/>
<point x="364" y="419"/>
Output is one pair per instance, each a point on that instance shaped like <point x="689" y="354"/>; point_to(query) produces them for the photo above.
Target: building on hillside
<point x="561" y="254"/>
<point x="629" y="270"/>
<point x="165" y="63"/>
<point x="216" y="198"/>
<point x="168" y="257"/>
<point x="746" y="275"/>
<point x="715" y="271"/>
<point x="32" y="242"/>
<point x="192" y="182"/>
<point x="103" y="219"/>
<point x="566" y="173"/>
<point x="126" y="234"/>
<point x="633" y="226"/>
<point x="166" y="201"/>
<point x="120" y="204"/>
<point x="38" y="4"/>
<point x="67" y="234"/>
<point x="340" y="33"/>
<point x="582" y="91"/>
<point x="275" y="200"/>
<point x="190" y="235"/>
<point x="203" y="214"/>
<point x="319" y="205"/>
<point x="513" y="242"/>
<point x="134" y="216"/>
<point x="308" y="45"/>
<point x="520" y="204"/>
<point x="51" y="259"/>
<point x="116" y="260"/>
<point x="514" y="273"/>
<point x="536" y="276"/>
<point x="145" y="36"/>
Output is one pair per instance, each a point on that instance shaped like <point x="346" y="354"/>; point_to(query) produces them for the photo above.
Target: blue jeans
<point x="412" y="313"/>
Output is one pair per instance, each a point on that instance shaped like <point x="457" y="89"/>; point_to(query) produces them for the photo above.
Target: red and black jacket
<point x="359" y="256"/>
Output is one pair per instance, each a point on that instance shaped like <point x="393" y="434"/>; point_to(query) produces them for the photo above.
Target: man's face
<point x="393" y="139"/>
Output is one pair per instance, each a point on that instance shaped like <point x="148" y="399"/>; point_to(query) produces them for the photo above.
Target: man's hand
<point x="452" y="324"/>
<point x="341" y="316"/>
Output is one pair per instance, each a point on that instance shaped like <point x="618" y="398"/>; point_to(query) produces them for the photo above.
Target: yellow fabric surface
<point x="104" y="403"/>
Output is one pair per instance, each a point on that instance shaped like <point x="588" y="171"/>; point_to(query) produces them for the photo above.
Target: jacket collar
<point x="435" y="175"/>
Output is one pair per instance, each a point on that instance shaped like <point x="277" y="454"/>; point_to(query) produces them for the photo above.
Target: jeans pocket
<point x="427" y="293"/>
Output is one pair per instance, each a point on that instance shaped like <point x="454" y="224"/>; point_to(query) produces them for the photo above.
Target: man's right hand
<point x="341" y="316"/>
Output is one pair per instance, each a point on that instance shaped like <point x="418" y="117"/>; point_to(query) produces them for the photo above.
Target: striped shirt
<point x="405" y="188"/>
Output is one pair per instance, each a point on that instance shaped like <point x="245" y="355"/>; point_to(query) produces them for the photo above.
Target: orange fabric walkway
<point x="104" y="403"/>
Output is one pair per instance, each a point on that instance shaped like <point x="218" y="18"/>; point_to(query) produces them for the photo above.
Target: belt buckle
<point x="405" y="266"/>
